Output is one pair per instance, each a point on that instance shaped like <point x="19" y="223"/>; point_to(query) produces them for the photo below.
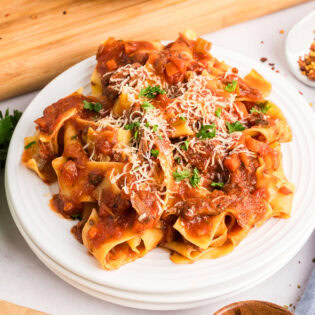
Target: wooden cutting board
<point x="39" y="39"/>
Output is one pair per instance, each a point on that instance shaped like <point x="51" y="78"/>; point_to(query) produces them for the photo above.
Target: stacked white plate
<point x="154" y="282"/>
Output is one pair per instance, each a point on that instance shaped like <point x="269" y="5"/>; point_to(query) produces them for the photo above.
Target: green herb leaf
<point x="136" y="134"/>
<point x="206" y="132"/>
<point x="155" y="128"/>
<point x="147" y="124"/>
<point x="261" y="108"/>
<point x="96" y="107"/>
<point x="147" y="105"/>
<point x="185" y="145"/>
<point x="195" y="178"/>
<point x="180" y="175"/>
<point x="29" y="145"/>
<point x="155" y="153"/>
<point x="177" y="159"/>
<point x="132" y="125"/>
<point x="160" y="137"/>
<point x="74" y="137"/>
<point x="151" y="91"/>
<point x="182" y="118"/>
<point x="217" y="184"/>
<point x="76" y="217"/>
<point x="7" y="125"/>
<point x="236" y="126"/>
<point x="218" y="112"/>
<point x="230" y="87"/>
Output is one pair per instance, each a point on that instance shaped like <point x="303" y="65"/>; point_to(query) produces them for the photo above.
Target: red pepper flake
<point x="261" y="41"/>
<point x="7" y="14"/>
<point x="273" y="68"/>
<point x="271" y="64"/>
<point x="277" y="71"/>
<point x="263" y="59"/>
<point x="300" y="92"/>
<point x="281" y="31"/>
<point x="234" y="70"/>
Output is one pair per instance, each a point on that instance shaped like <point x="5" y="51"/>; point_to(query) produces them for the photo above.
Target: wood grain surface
<point x="39" y="39"/>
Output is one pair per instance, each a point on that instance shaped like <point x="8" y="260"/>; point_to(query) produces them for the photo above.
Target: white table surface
<point x="26" y="281"/>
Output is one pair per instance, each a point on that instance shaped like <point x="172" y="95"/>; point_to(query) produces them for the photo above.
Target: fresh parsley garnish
<point x="132" y="125"/>
<point x="236" y="126"/>
<point x="230" y="87"/>
<point x="180" y="175"/>
<point x="7" y="125"/>
<point x="74" y="137"/>
<point x="177" y="159"/>
<point x="136" y="134"/>
<point x="217" y="184"/>
<point x="155" y="153"/>
<point x="185" y="145"/>
<point x="96" y="107"/>
<point x="160" y="137"/>
<point x="206" y="132"/>
<point x="261" y="108"/>
<point x="155" y="128"/>
<point x="76" y="217"/>
<point x="218" y="112"/>
<point x="195" y="178"/>
<point x="147" y="105"/>
<point x="182" y="118"/>
<point x="151" y="91"/>
<point x="30" y="144"/>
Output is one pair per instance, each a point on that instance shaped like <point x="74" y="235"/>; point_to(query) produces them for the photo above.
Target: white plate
<point x="155" y="273"/>
<point x="298" y="44"/>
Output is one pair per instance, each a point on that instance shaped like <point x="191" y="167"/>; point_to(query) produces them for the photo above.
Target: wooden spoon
<point x="252" y="308"/>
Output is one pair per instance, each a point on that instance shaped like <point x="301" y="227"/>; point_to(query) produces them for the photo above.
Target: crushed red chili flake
<point x="7" y="14"/>
<point x="281" y="31"/>
<point x="277" y="71"/>
<point x="262" y="42"/>
<point x="271" y="64"/>
<point x="307" y="64"/>
<point x="300" y="92"/>
<point x="272" y="68"/>
<point x="263" y="59"/>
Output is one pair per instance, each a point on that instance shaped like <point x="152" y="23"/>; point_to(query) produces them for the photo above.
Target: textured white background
<point x="25" y="280"/>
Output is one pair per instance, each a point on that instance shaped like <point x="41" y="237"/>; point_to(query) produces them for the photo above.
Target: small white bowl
<point x="297" y="44"/>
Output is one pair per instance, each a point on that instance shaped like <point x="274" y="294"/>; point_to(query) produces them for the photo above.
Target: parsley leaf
<point x="236" y="126"/>
<point x="155" y="153"/>
<point x="185" y="145"/>
<point x="151" y="91"/>
<point x="160" y="137"/>
<point x="29" y="145"/>
<point x="206" y="132"/>
<point x="96" y="107"/>
<point x="76" y="217"/>
<point x="178" y="176"/>
<point x="155" y="128"/>
<point x="182" y="118"/>
<point x="218" y="112"/>
<point x="261" y="108"/>
<point x="177" y="159"/>
<point x="132" y="126"/>
<point x="7" y="125"/>
<point x="74" y="137"/>
<point x="231" y="87"/>
<point x="147" y="105"/>
<point x="217" y="184"/>
<point x="195" y="178"/>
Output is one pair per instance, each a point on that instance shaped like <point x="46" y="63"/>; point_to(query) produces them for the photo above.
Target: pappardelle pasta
<point x="172" y="149"/>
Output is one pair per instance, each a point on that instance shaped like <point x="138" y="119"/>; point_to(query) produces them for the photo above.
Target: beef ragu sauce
<point x="184" y="153"/>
